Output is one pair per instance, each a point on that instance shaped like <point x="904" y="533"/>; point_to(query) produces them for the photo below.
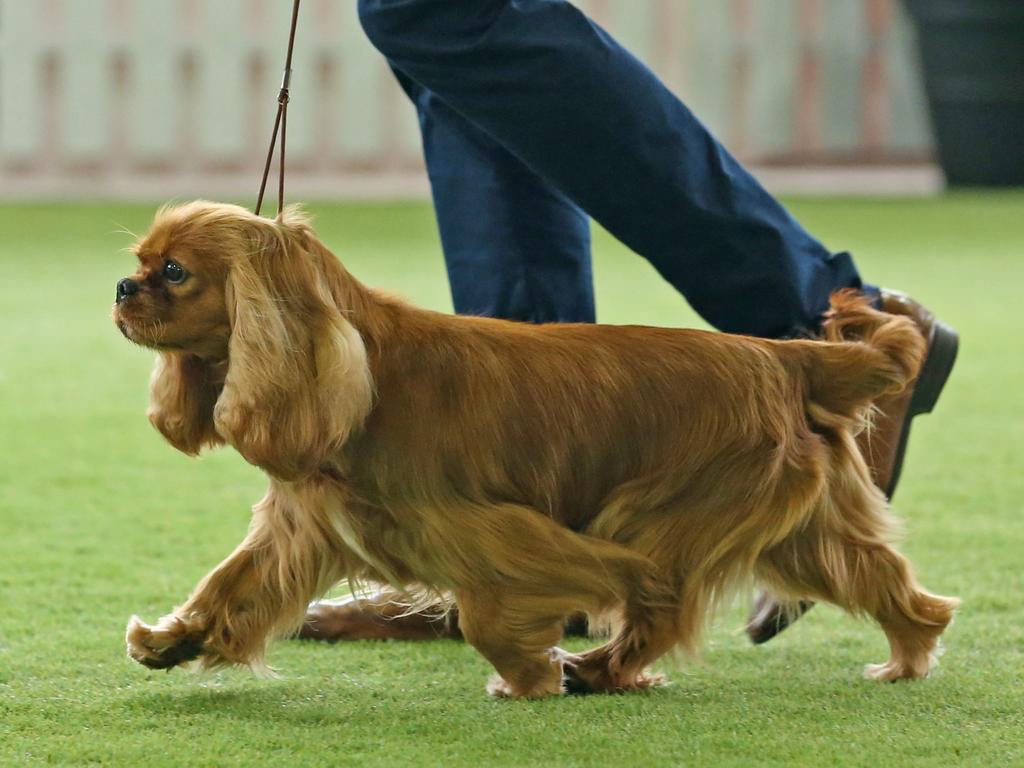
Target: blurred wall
<point x="161" y="98"/>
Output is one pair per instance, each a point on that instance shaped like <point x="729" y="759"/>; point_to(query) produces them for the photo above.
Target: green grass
<point x="99" y="519"/>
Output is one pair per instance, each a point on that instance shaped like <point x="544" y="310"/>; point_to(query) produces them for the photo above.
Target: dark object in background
<point x="973" y="56"/>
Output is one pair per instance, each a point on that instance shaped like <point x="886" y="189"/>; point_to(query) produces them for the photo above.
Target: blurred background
<point x="862" y="112"/>
<point x="122" y="99"/>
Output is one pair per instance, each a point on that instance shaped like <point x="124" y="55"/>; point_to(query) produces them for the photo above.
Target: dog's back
<point x="570" y="417"/>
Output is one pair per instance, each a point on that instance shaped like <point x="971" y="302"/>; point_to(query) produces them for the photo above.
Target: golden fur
<point x="527" y="471"/>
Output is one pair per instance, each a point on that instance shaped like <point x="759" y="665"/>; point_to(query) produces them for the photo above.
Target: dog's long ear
<point x="298" y="382"/>
<point x="182" y="393"/>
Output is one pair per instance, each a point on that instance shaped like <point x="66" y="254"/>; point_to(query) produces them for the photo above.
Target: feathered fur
<point x="526" y="471"/>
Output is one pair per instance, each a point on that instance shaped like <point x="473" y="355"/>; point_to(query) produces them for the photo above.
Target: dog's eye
<point x="174" y="272"/>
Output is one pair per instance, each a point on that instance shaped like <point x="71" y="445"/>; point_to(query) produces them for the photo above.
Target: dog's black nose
<point x="125" y="288"/>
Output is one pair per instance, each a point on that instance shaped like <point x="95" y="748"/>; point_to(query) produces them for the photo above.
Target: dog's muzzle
<point x="125" y="287"/>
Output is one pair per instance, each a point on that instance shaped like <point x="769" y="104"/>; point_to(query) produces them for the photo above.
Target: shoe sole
<point x="938" y="365"/>
<point x="764" y="626"/>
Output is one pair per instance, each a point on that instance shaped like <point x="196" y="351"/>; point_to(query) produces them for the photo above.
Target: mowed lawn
<point x="99" y="519"/>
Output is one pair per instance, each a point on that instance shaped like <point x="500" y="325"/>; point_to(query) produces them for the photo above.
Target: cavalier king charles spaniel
<point x="523" y="472"/>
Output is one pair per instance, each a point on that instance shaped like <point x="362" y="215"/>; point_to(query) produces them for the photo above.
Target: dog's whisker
<point x="120" y="229"/>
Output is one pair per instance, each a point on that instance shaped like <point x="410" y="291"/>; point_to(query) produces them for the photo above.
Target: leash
<point x="281" y="121"/>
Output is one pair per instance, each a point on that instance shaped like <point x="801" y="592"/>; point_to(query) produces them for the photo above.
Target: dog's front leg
<point x="260" y="591"/>
<point x="207" y="624"/>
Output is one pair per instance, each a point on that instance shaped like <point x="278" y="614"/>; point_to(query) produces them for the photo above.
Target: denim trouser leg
<point x="515" y="247"/>
<point x="554" y="90"/>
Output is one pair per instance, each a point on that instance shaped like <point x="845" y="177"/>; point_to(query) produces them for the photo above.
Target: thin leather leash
<point x="281" y="121"/>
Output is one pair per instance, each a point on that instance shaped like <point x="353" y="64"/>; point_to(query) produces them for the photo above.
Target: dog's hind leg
<point x="854" y="567"/>
<point x="522" y="577"/>
<point x="517" y="634"/>
<point x="703" y="544"/>
<point x="912" y="618"/>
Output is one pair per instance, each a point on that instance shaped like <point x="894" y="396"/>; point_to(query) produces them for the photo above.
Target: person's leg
<point x="557" y="92"/>
<point x="515" y="247"/>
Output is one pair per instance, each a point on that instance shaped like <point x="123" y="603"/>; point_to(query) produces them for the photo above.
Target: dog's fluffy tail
<point x="864" y="354"/>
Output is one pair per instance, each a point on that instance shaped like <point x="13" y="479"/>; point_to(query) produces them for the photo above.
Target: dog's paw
<point x="170" y="643"/>
<point x="893" y="671"/>
<point x="581" y="677"/>
<point x="502" y="689"/>
<point x="578" y="685"/>
<point x="537" y="681"/>
<point x="499" y="688"/>
<point x="575" y="680"/>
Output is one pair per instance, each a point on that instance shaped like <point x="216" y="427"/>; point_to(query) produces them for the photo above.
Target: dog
<point x="525" y="472"/>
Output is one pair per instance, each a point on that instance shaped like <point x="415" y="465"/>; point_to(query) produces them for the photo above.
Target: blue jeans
<point x="534" y="118"/>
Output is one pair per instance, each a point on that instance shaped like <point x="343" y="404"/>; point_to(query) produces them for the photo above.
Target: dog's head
<point x="254" y="348"/>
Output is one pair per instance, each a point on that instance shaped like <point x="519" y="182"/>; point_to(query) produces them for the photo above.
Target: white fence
<point x="172" y="97"/>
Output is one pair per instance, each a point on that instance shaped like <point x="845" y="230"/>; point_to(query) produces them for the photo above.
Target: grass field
<point x="99" y="519"/>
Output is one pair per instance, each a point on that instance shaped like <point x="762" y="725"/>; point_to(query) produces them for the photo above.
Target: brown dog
<point x="526" y="471"/>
